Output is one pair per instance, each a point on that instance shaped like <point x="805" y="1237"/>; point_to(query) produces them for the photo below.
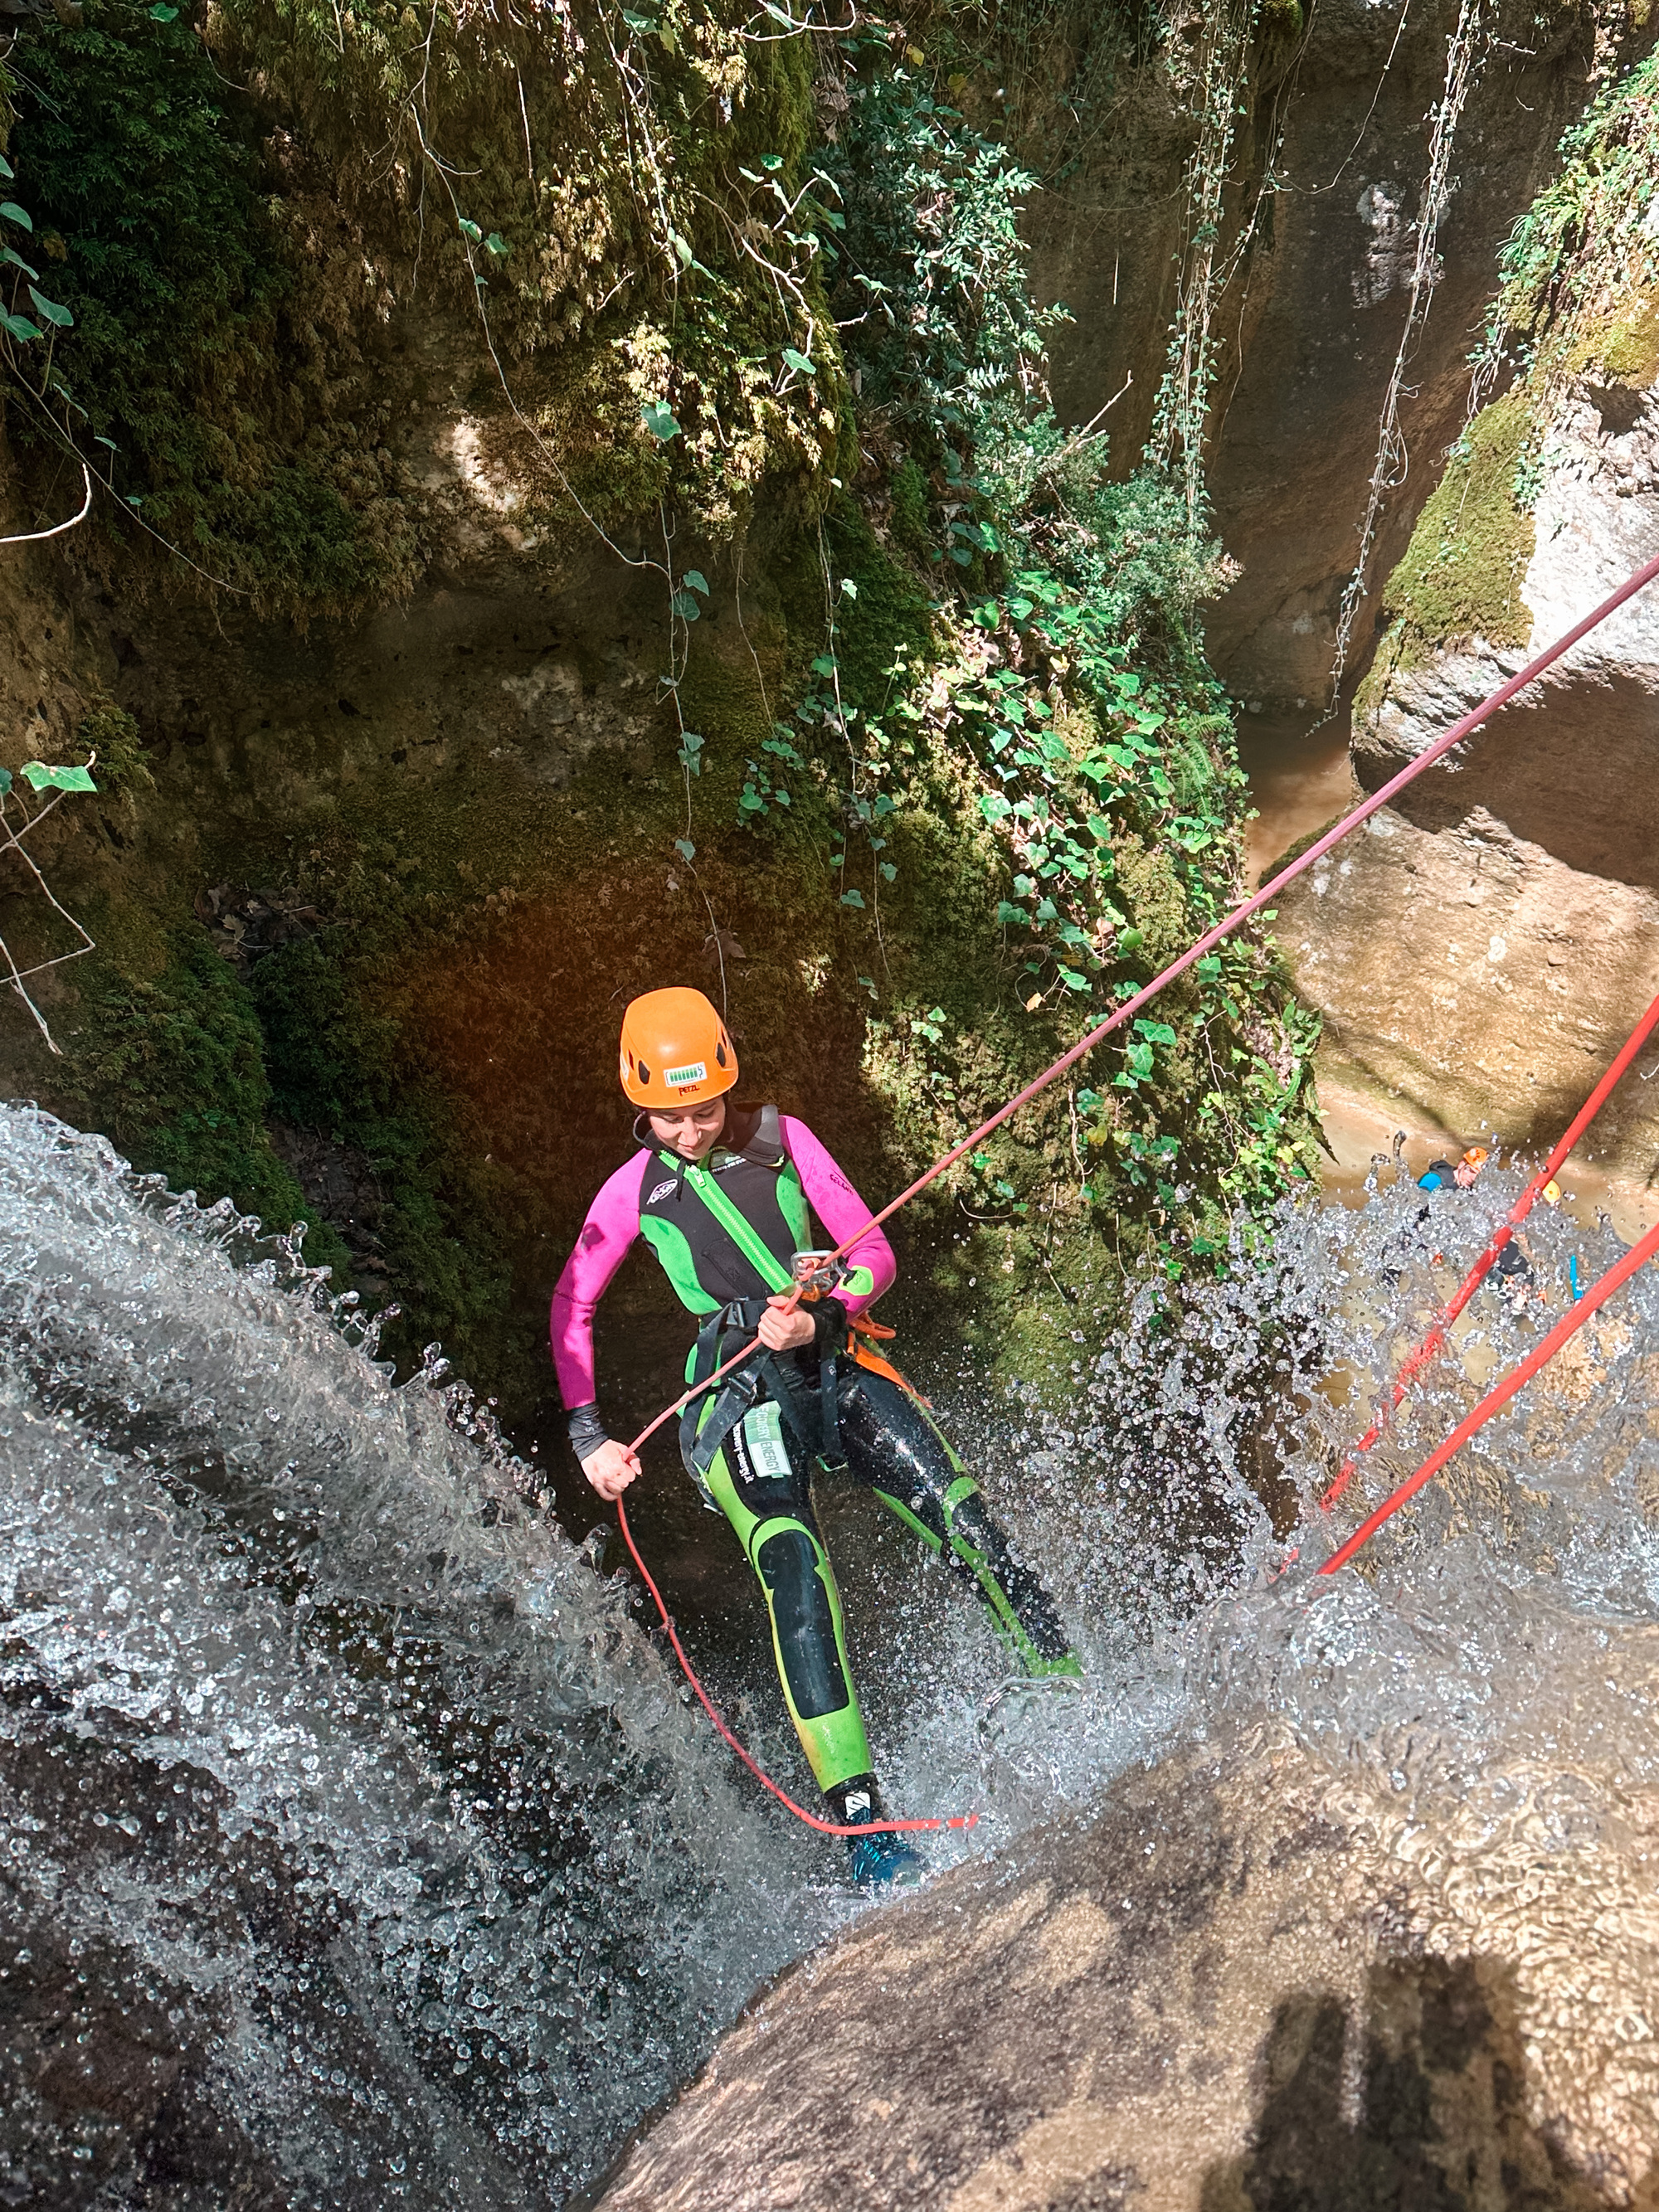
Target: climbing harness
<point x="1465" y="726"/>
<point x="1494" y="1401"/>
<point x="1422" y="1353"/>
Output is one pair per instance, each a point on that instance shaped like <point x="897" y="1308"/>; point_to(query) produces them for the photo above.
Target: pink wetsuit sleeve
<point x="841" y="1209"/>
<point x="612" y="1225"/>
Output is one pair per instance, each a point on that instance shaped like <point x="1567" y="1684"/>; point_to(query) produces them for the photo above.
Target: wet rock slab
<point x="1481" y="951"/>
<point x="1233" y="1989"/>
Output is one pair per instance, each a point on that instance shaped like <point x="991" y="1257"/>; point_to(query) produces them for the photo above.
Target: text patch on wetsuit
<point x="762" y="1436"/>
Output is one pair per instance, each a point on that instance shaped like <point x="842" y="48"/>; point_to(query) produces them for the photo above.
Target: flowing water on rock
<point x="361" y="1849"/>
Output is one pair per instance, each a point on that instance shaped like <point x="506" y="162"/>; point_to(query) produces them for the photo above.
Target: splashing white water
<point x="318" y="1739"/>
<point x="232" y="1551"/>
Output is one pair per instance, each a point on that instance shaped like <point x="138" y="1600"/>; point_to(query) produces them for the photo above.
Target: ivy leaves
<point x="1140" y="1054"/>
<point x="763" y="785"/>
<point x="684" y="598"/>
<point x="17" y="325"/>
<point x="39" y="777"/>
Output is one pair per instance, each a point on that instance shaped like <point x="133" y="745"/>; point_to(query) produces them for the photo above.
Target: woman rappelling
<point x="725" y="1195"/>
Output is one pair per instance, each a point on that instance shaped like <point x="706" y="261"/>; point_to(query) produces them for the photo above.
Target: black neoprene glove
<point x="587" y="1430"/>
<point x="830" y="1325"/>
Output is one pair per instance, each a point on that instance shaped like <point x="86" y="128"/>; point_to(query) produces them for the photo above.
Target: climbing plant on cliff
<point x="1578" y="273"/>
<point x="1064" y="698"/>
<point x="1465" y="55"/>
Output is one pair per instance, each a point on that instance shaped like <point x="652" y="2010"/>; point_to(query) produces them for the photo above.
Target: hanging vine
<point x="1466" y="54"/>
<point x="1181" y="410"/>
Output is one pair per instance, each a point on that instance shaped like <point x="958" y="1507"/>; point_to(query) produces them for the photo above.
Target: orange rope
<point x="1436" y="1337"/>
<point x="825" y="1827"/>
<point x="1567" y="1328"/>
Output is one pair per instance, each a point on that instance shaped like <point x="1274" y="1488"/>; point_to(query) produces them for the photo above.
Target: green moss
<point x="615" y="204"/>
<point x="1461" y="574"/>
<point x="889" y="619"/>
<point x="193" y="350"/>
<point x="107" y="738"/>
<point x="344" y="1068"/>
<point x="909" y="514"/>
<point x="1629" y="347"/>
<point x="1576" y="300"/>
<point x="174" y="1070"/>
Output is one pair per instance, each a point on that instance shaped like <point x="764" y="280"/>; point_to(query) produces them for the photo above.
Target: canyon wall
<point x="1236" y="1986"/>
<point x="1308" y="329"/>
<point x="1482" y="951"/>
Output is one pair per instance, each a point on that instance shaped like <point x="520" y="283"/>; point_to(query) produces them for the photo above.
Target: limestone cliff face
<point x="1482" y="952"/>
<point x="1309" y="327"/>
<point x="1236" y="1986"/>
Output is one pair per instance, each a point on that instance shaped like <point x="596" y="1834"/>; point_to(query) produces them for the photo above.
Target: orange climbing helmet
<point x="675" y="1051"/>
<point x="1476" y="1157"/>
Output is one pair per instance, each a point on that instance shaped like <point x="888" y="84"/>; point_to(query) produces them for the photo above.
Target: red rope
<point x="825" y="1827"/>
<point x="1461" y="729"/>
<point x="1437" y="1336"/>
<point x="1567" y="1328"/>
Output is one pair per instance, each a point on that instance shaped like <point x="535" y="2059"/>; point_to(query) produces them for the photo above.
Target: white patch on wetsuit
<point x="661" y="1191"/>
<point x="856" y="1801"/>
<point x="762" y="1436"/>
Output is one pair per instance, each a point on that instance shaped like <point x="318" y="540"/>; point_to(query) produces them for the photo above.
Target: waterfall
<point x="360" y="1847"/>
<point x="342" y="1769"/>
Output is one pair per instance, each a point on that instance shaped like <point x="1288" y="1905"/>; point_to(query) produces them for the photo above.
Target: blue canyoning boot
<point x="882" y="1861"/>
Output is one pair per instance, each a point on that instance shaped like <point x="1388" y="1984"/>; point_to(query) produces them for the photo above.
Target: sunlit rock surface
<point x="1485" y="948"/>
<point x="1240" y="1985"/>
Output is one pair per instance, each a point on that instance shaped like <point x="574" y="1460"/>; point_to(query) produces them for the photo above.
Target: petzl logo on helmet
<point x="677" y="1078"/>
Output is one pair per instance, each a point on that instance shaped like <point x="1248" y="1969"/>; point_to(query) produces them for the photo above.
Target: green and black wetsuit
<point x="725" y="1233"/>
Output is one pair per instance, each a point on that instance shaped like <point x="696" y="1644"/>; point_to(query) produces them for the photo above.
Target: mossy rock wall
<point x="378" y="853"/>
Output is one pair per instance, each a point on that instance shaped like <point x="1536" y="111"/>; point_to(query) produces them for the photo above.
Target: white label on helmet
<point x="677" y="1078"/>
<point x="856" y="1801"/>
<point x="661" y="1191"/>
